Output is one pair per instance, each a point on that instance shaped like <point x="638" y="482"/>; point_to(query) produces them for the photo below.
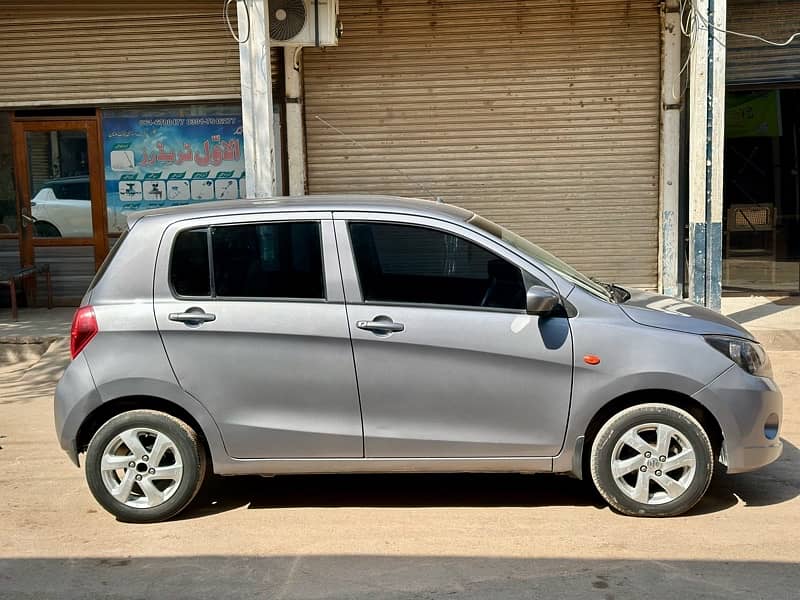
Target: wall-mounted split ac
<point x="304" y="22"/>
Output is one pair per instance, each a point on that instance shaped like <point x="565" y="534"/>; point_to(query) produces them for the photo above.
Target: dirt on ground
<point x="400" y="536"/>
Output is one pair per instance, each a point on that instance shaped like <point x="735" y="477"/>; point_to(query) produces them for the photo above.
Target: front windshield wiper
<point x="622" y="294"/>
<point x="615" y="292"/>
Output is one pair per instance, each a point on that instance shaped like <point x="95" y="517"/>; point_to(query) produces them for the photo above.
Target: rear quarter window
<point x="189" y="268"/>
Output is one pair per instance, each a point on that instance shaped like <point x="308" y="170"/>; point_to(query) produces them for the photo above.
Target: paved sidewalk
<point x="775" y="321"/>
<point x="35" y="325"/>
<point x="28" y="338"/>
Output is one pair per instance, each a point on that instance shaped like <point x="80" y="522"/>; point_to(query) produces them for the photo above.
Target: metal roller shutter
<point x="753" y="62"/>
<point x="542" y="115"/>
<point x="96" y="51"/>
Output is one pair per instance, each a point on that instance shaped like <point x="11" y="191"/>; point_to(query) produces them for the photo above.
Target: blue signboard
<point x="158" y="161"/>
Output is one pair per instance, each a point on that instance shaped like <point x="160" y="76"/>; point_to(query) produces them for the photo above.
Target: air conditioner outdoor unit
<point x="304" y="22"/>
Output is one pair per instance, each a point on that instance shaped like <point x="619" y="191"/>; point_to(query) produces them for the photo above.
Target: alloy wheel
<point x="141" y="467"/>
<point x="653" y="463"/>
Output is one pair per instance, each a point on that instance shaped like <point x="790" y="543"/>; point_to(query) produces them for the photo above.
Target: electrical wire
<point x="689" y="20"/>
<point x="692" y="21"/>
<point x="419" y="184"/>
<point x="704" y="20"/>
<point x="227" y="15"/>
<point x="690" y="31"/>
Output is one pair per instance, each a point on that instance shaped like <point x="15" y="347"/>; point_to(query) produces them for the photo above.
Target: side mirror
<point x="541" y="300"/>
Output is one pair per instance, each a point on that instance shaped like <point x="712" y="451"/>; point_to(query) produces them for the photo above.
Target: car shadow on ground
<point x="391" y="491"/>
<point x="774" y="484"/>
<point x="390" y="577"/>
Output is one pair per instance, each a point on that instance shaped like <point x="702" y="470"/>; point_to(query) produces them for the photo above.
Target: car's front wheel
<point x="652" y="460"/>
<point x="145" y="466"/>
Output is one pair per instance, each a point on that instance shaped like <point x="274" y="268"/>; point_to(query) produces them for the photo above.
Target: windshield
<point x="540" y="255"/>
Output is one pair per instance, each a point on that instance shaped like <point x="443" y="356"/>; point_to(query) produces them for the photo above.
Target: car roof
<point x="313" y="203"/>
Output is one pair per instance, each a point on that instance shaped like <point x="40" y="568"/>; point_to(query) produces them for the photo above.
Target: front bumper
<point x="749" y="410"/>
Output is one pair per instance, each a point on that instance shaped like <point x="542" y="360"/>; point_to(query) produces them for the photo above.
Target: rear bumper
<point x="749" y="411"/>
<point x="75" y="397"/>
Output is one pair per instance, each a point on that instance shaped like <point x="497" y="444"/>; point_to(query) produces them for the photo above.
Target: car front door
<point x="251" y="312"/>
<point x="448" y="362"/>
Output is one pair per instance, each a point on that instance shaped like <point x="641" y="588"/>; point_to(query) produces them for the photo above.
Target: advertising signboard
<point x="156" y="161"/>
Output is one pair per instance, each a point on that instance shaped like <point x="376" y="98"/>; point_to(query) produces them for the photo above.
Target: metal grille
<point x="755" y="217"/>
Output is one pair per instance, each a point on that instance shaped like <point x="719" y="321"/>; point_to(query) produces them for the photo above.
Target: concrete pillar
<point x="256" y="77"/>
<point x="706" y="145"/>
<point x="295" y="128"/>
<point x="669" y="167"/>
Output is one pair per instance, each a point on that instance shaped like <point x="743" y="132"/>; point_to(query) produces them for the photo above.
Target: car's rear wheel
<point x="145" y="466"/>
<point x="45" y="229"/>
<point x="652" y="460"/>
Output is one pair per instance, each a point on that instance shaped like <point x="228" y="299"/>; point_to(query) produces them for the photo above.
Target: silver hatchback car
<point x="364" y="334"/>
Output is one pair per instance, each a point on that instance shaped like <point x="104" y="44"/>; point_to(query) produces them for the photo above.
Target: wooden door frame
<point x="27" y="241"/>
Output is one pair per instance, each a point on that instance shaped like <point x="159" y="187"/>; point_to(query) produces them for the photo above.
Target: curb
<point x="18" y="350"/>
<point x="31" y="339"/>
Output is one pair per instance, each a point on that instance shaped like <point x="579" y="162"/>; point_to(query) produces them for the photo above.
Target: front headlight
<point x="748" y="355"/>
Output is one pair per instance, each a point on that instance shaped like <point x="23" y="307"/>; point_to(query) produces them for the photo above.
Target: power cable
<point x="227" y="15"/>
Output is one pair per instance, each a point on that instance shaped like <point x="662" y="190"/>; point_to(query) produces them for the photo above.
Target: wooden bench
<point x="12" y="278"/>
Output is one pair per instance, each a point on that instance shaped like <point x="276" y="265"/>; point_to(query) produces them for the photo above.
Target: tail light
<point x="84" y="328"/>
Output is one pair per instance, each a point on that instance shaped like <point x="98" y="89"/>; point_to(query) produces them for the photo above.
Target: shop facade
<point x="762" y="161"/>
<point x="541" y="116"/>
<point x="561" y="121"/>
<point x="107" y="108"/>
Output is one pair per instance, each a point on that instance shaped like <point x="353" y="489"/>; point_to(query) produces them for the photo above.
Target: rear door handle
<point x="380" y="326"/>
<point x="192" y="316"/>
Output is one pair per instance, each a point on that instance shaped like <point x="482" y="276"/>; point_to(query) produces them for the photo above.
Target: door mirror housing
<point x="541" y="300"/>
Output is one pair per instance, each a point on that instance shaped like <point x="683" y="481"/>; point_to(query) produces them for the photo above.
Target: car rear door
<point x="251" y="312"/>
<point x="448" y="362"/>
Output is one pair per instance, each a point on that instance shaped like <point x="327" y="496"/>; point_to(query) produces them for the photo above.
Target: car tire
<point x="652" y="460"/>
<point x="45" y="229"/>
<point x="145" y="466"/>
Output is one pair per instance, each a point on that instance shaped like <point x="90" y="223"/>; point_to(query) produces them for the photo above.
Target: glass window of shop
<point x="761" y="217"/>
<point x="169" y="156"/>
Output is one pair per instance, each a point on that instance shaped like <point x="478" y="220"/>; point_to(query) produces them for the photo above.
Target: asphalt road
<point x="402" y="536"/>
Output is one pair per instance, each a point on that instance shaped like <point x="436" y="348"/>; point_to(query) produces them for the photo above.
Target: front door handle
<point x="380" y="325"/>
<point x="193" y="316"/>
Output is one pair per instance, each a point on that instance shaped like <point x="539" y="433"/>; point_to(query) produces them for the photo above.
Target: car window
<point x="413" y="264"/>
<point x="78" y="190"/>
<point x="189" y="272"/>
<point x="70" y="190"/>
<point x="268" y="260"/>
